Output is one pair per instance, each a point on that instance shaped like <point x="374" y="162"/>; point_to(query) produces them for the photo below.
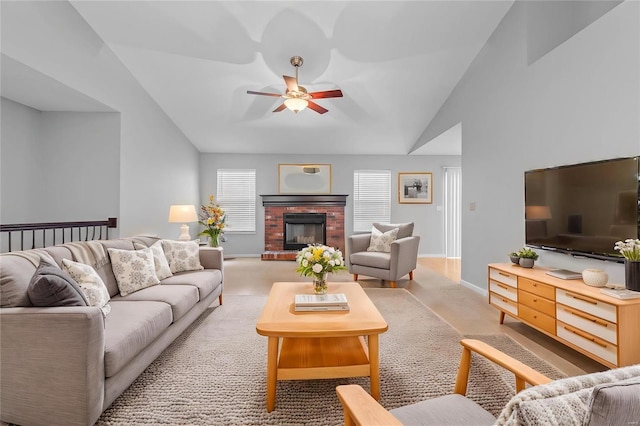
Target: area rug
<point x="215" y="372"/>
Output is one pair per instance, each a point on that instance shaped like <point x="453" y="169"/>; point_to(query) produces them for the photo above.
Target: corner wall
<point x="580" y="102"/>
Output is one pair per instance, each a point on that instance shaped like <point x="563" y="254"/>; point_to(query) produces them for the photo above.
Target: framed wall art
<point x="304" y="178"/>
<point x="415" y="188"/>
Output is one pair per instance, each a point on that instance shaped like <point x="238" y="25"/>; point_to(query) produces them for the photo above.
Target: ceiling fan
<point x="296" y="97"/>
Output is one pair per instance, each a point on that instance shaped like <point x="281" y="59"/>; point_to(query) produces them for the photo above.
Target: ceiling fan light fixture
<point x="296" y="104"/>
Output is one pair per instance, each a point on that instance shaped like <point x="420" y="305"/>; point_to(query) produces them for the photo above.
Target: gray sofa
<point x="66" y="365"/>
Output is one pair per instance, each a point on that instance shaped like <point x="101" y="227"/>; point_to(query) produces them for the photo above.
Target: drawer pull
<point x="505" y="300"/>
<point x="586" y="336"/>
<point x="502" y="286"/>
<point x="575" y="296"/>
<point x="504" y="274"/>
<point x="587" y="317"/>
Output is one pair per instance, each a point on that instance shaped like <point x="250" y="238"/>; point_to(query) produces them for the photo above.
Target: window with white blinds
<point x="237" y="196"/>
<point x="371" y="198"/>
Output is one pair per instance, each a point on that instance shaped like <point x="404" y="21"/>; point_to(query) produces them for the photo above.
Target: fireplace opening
<point x="302" y="229"/>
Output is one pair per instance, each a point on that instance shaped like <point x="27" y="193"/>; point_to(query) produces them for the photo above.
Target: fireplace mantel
<point x="339" y="200"/>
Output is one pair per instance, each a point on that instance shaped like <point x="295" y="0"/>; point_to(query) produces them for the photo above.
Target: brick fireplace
<point x="275" y="208"/>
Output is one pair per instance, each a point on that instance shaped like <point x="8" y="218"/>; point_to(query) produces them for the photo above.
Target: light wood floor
<point x="470" y="313"/>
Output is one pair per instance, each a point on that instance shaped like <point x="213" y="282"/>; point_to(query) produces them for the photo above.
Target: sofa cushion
<point x="446" y="410"/>
<point x="181" y="298"/>
<point x="404" y="229"/>
<point x="182" y="255"/>
<point x="90" y="282"/>
<point x="51" y="286"/>
<point x="106" y="271"/>
<point x="372" y="259"/>
<point x="130" y="328"/>
<point x="206" y="281"/>
<point x="160" y="262"/>
<point x="614" y="403"/>
<point x="381" y="241"/>
<point x="14" y="280"/>
<point x="134" y="269"/>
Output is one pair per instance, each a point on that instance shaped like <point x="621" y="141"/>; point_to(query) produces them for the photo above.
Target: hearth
<point x="302" y="229"/>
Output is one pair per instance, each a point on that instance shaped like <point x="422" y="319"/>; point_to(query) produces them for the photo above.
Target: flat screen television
<point x="583" y="209"/>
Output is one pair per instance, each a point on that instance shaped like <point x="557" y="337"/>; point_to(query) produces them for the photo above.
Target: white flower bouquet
<point x="317" y="260"/>
<point x="629" y="248"/>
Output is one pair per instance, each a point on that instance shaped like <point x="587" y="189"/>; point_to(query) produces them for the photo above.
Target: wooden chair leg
<point x="463" y="372"/>
<point x="411" y="275"/>
<point x="220" y="298"/>
<point x="355" y="277"/>
<point x="393" y="284"/>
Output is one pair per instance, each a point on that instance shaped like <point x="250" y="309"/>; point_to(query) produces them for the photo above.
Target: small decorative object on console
<point x="515" y="258"/>
<point x="317" y="261"/>
<point x="595" y="277"/>
<point x="527" y="257"/>
<point x="630" y="249"/>
<point x="213" y="218"/>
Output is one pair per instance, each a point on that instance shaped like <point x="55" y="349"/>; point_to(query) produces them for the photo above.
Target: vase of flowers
<point x="213" y="218"/>
<point x="318" y="260"/>
<point x="630" y="250"/>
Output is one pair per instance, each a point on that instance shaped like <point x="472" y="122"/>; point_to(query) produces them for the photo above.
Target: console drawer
<point x="503" y="277"/>
<point x="586" y="304"/>
<point x="535" y="287"/>
<point x="538" y="303"/>
<point x="503" y="303"/>
<point x="589" y="343"/>
<point x="503" y="290"/>
<point x="537" y="319"/>
<point x="592" y="325"/>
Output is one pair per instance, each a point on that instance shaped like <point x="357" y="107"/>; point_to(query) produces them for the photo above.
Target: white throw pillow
<point x="381" y="241"/>
<point x="182" y="255"/>
<point x="159" y="259"/>
<point x="134" y="269"/>
<point x="90" y="283"/>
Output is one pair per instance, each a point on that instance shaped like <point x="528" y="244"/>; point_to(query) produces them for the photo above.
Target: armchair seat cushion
<point x="446" y="410"/>
<point x="372" y="259"/>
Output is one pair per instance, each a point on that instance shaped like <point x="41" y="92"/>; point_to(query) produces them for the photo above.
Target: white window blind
<point x="371" y="198"/>
<point x="237" y="196"/>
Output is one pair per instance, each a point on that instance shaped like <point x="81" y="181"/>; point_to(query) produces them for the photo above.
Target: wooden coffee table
<point x="320" y="345"/>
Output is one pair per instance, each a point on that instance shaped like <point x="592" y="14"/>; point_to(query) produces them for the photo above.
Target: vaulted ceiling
<point x="395" y="61"/>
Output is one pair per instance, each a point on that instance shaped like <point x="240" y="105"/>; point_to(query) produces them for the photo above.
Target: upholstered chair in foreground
<point x="606" y="398"/>
<point x="389" y="252"/>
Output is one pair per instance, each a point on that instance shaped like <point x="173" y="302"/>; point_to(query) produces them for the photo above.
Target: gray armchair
<point x="391" y="266"/>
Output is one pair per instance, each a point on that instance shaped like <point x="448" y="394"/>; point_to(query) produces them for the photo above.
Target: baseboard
<point x="475" y="288"/>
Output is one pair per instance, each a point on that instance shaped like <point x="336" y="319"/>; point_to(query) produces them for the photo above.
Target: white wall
<point x="21" y="126"/>
<point x="158" y="166"/>
<point x="579" y="102"/>
<point x="428" y="220"/>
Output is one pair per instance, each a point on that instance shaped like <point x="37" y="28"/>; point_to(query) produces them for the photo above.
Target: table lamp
<point x="183" y="214"/>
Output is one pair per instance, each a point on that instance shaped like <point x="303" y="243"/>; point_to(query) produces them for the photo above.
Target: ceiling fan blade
<point x="317" y="108"/>
<point x="251" y="92"/>
<point x="280" y="108"/>
<point x="326" y="94"/>
<point x="291" y="82"/>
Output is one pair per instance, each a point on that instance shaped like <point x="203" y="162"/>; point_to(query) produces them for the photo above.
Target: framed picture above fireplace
<point x="415" y="188"/>
<point x="304" y="178"/>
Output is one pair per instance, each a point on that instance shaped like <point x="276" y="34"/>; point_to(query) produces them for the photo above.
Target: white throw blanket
<point x="563" y="401"/>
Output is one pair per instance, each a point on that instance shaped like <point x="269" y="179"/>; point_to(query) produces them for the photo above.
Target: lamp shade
<point x="183" y="213"/>
<point x="296" y="104"/>
<point x="537" y="212"/>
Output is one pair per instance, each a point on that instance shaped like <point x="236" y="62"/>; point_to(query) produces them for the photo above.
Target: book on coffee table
<point x="320" y="300"/>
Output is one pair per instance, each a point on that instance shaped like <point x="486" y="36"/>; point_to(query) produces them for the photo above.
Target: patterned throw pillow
<point x="90" y="283"/>
<point x="159" y="259"/>
<point x="381" y="241"/>
<point x="182" y="255"/>
<point x="134" y="269"/>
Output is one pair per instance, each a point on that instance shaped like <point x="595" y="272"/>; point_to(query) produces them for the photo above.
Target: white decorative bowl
<point x="595" y="277"/>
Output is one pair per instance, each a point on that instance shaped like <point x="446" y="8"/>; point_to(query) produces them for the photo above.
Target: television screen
<point x="583" y="208"/>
